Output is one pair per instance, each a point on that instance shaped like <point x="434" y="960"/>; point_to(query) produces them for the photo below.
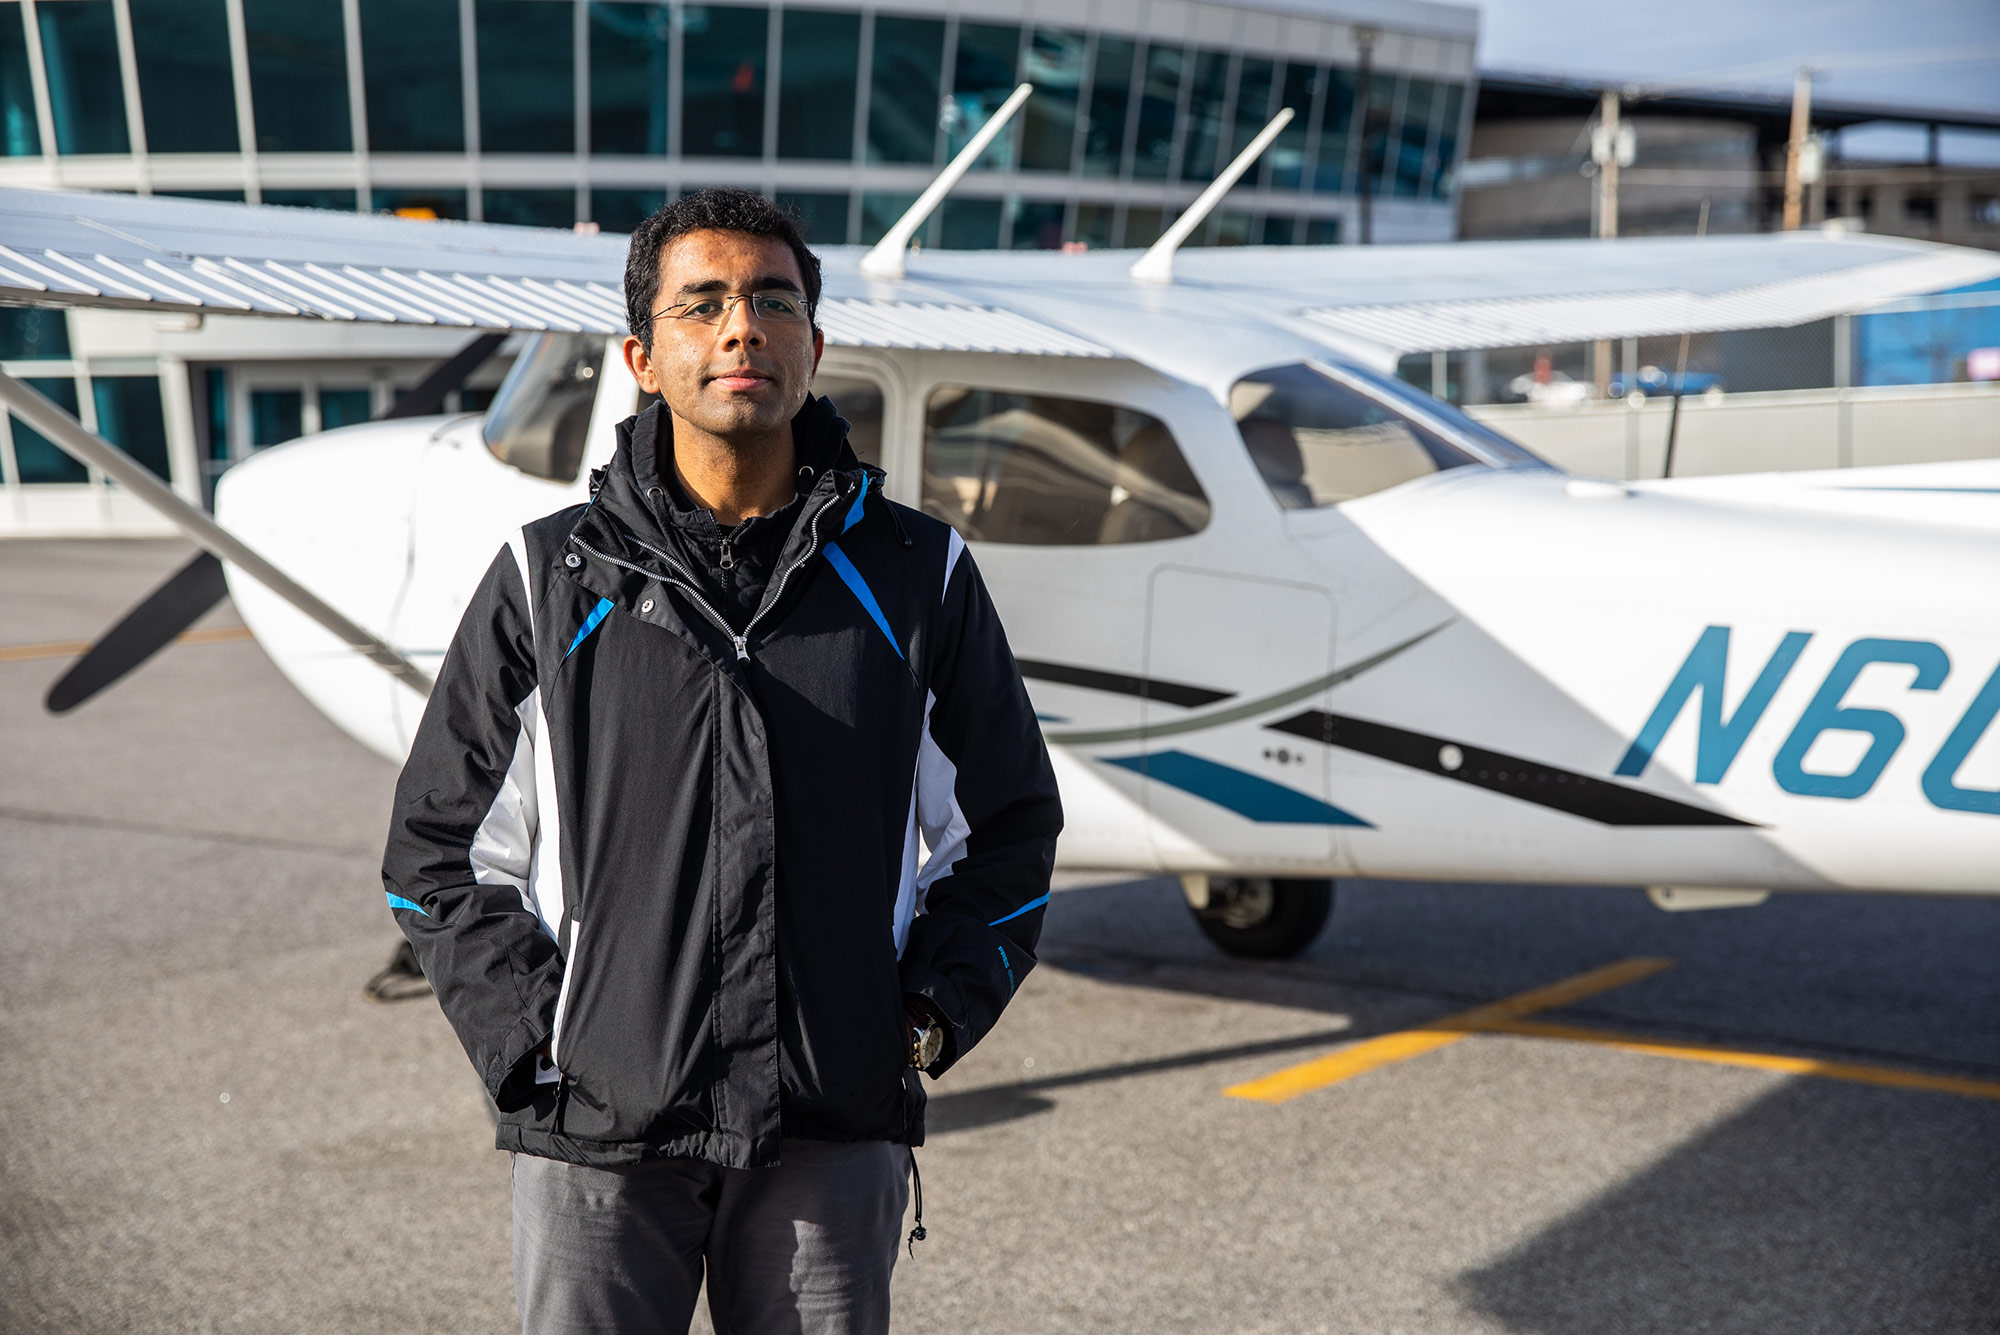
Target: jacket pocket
<point x="572" y="965"/>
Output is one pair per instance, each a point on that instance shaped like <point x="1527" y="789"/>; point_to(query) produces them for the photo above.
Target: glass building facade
<point x="557" y="112"/>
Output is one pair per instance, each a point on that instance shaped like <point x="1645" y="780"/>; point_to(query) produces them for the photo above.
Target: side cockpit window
<point x="1317" y="441"/>
<point x="859" y="400"/>
<point x="1050" y="471"/>
<point x="541" y="415"/>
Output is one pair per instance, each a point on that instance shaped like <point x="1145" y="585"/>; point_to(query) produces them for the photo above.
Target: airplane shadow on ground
<point x="1822" y="1207"/>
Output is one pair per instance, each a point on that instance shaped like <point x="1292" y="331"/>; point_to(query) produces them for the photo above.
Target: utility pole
<point x="1364" y="96"/>
<point x="1795" y="148"/>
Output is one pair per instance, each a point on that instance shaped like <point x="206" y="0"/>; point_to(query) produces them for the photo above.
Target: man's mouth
<point x="742" y="378"/>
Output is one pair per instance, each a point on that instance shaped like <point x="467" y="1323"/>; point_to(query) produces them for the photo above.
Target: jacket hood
<point x="819" y="435"/>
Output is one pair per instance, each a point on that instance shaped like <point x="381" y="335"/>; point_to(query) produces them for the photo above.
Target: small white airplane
<point x="1285" y="618"/>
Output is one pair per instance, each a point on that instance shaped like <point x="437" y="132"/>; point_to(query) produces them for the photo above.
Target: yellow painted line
<point x="22" y="653"/>
<point x="1888" y="1077"/>
<point x="1371" y="1053"/>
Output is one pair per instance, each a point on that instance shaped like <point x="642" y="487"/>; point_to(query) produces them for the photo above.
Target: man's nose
<point x="740" y="326"/>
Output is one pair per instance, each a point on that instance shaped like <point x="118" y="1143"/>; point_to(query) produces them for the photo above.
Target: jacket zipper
<point x="685" y="582"/>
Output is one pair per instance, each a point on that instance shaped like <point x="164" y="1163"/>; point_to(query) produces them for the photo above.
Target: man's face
<point x="743" y="377"/>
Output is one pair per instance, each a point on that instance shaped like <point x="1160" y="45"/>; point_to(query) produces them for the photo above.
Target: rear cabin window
<point x="1048" y="471"/>
<point x="1317" y="442"/>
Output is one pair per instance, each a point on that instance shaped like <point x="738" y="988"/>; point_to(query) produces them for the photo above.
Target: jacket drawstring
<point x="917" y="1234"/>
<point x="897" y="520"/>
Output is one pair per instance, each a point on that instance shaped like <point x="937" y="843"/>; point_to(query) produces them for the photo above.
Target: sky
<point x="1940" y="54"/>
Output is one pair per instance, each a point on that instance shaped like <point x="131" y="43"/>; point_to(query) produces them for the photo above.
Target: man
<point x="656" y="844"/>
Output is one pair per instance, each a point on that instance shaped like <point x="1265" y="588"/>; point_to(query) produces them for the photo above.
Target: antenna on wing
<point x="1157" y="264"/>
<point x="887" y="258"/>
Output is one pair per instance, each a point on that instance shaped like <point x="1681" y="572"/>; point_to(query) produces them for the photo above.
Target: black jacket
<point x="692" y="856"/>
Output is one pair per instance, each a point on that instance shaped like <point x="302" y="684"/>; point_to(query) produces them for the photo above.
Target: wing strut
<point x="886" y="260"/>
<point x="1157" y="264"/>
<point x="44" y="416"/>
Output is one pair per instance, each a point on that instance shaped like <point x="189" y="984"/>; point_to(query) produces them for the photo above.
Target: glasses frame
<point x="791" y="294"/>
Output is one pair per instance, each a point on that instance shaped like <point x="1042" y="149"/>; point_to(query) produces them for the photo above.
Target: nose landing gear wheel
<point x="1260" y="917"/>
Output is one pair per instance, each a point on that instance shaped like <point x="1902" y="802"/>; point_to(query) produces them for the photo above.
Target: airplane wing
<point x="135" y="253"/>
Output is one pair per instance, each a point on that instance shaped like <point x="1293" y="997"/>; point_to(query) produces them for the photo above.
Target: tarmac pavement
<point x="208" y="1128"/>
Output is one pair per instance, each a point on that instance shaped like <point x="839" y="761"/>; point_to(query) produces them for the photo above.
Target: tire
<point x="1263" y="918"/>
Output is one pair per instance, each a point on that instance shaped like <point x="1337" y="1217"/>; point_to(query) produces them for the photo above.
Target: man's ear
<point x="819" y="347"/>
<point x="640" y="363"/>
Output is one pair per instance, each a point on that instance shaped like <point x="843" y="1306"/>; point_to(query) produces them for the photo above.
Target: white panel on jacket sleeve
<point x="954" y="548"/>
<point x="502" y="850"/>
<point x="938" y="814"/>
<point x="518" y="544"/>
<point x="545" y="876"/>
<point x="906" y="883"/>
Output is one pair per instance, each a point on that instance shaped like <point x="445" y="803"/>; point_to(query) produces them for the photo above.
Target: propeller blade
<point x="427" y="396"/>
<point x="145" y="630"/>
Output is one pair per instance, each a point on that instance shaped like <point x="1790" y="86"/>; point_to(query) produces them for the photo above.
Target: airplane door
<point x="1231" y="790"/>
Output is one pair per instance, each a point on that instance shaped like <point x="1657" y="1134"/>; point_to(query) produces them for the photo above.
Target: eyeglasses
<point x="776" y="305"/>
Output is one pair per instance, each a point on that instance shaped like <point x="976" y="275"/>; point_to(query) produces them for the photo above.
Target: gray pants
<point x="805" y="1248"/>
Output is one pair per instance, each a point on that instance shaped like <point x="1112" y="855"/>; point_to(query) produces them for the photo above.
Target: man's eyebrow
<point x="762" y="283"/>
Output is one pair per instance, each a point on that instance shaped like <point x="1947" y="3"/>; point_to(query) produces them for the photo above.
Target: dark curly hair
<point x="720" y="210"/>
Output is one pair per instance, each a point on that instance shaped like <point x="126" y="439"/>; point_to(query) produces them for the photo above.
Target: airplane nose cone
<point x="334" y="512"/>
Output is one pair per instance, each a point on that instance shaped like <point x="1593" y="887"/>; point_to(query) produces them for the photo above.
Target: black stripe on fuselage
<point x="1530" y="781"/>
<point x="1168" y="692"/>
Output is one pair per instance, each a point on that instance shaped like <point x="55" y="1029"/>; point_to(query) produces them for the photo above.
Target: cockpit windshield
<point x="1320" y="436"/>
<point x="541" y="414"/>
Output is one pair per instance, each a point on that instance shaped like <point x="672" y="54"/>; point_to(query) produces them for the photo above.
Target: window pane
<point x="1037" y="225"/>
<point x="1143" y="226"/>
<point x="1451" y="105"/>
<point x="879" y="213"/>
<point x="86" y="92"/>
<point x="822" y="55"/>
<point x="531" y="208"/>
<point x="298" y="75"/>
<point x="624" y="210"/>
<point x="1255" y="83"/>
<point x="984" y="76"/>
<point x="422" y="203"/>
<point x="629" y="86"/>
<point x="1278" y="230"/>
<point x="1336" y="123"/>
<point x="903" y="92"/>
<point x="130" y="416"/>
<point x="1159" y="93"/>
<point x="1318" y="442"/>
<point x="1231" y="227"/>
<point x="1093" y="225"/>
<point x="527" y="97"/>
<point x="1322" y="231"/>
<point x="186" y="89"/>
<point x="1050" y="471"/>
<point x="27" y="334"/>
<point x="409" y="57"/>
<point x="1110" y="96"/>
<point x="20" y="133"/>
<point x="1287" y="153"/>
<point x="824" y="216"/>
<point x="222" y="196"/>
<point x="276" y="416"/>
<point x="1055" y="68"/>
<point x="860" y="402"/>
<point x="344" y="407"/>
<point x="1199" y="156"/>
<point x="1413" y="140"/>
<point x="36" y="458"/>
<point x="971" y="224"/>
<point x="342" y="200"/>
<point x="722" y="64"/>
